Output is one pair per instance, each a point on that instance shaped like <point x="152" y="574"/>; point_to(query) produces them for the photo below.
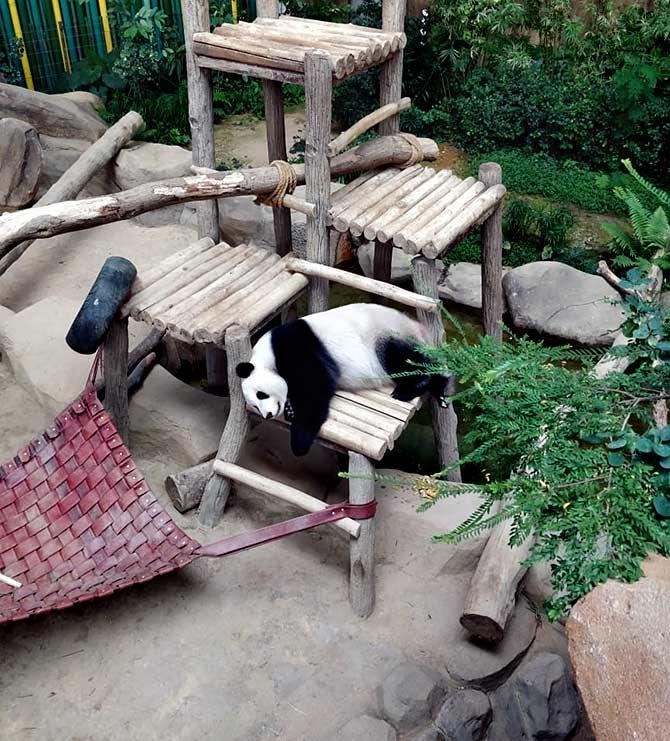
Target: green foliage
<point x="10" y="63"/>
<point x="649" y="228"/>
<point x="594" y="492"/>
<point x="320" y="10"/>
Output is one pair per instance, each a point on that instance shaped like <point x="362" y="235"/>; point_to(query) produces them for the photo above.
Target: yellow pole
<point x="105" y="25"/>
<point x="233" y="10"/>
<point x="18" y="34"/>
<point x="55" y="4"/>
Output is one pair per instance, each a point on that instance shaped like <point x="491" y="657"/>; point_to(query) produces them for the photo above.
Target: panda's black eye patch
<point x="261" y="395"/>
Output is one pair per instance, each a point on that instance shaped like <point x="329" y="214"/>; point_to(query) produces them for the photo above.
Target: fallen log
<point x="47" y="221"/>
<point x="73" y="180"/>
<point x="21" y="158"/>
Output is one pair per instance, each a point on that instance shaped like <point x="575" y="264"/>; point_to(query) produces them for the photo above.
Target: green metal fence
<point x="51" y="36"/>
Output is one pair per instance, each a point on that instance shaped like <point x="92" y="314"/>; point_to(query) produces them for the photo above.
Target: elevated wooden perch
<point x="68" y="216"/>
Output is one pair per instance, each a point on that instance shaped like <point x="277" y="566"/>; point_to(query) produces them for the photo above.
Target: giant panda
<point x="295" y="368"/>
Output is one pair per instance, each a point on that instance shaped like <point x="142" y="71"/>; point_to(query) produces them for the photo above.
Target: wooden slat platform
<point x="274" y="48"/>
<point x="367" y="422"/>
<point x="417" y="209"/>
<point x="197" y="293"/>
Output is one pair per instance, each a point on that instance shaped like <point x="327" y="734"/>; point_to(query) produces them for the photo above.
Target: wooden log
<point x="343" y="205"/>
<point x="200" y="110"/>
<point x="445" y="422"/>
<point x="342" y="141"/>
<point x="151" y="275"/>
<point x="416" y="239"/>
<point x="217" y="368"/>
<point x="41" y="222"/>
<point x="137" y="354"/>
<point x="285" y="290"/>
<point x="318" y="107"/>
<point x="473" y="214"/>
<point x="249" y="70"/>
<point x="267" y="8"/>
<point x="410" y="206"/>
<point x="52" y="115"/>
<point x="490" y="174"/>
<point x="276" y="142"/>
<point x="282" y="491"/>
<point x="217" y="489"/>
<point x="115" y="357"/>
<point x="298" y="204"/>
<point x="21" y="157"/>
<point x="604" y="271"/>
<point x="390" y="74"/>
<point x="383" y="192"/>
<point x="73" y="180"/>
<point x="362" y="550"/>
<point x="398" y="39"/>
<point x="430" y="305"/>
<point x="382" y="263"/>
<point x="185" y="488"/>
<point x="391" y="194"/>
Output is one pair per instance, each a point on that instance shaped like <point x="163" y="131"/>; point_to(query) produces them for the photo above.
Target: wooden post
<point x="238" y="349"/>
<point x="362" y="549"/>
<point x="445" y="421"/>
<point x="276" y="134"/>
<point x="492" y="249"/>
<point x="318" y="107"/>
<point x="215" y="360"/>
<point x="383" y="261"/>
<point x="390" y="74"/>
<point x="115" y="358"/>
<point x="200" y="111"/>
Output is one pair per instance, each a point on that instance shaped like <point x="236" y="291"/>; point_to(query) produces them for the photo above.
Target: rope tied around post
<point x="286" y="185"/>
<point x="417" y="154"/>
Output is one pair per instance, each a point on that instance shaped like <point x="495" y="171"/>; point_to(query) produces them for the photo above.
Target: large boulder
<point x="142" y="162"/>
<point x="462" y="284"/>
<point x="618" y="639"/>
<point x="561" y="301"/>
<point x="54" y="115"/>
<point x="59" y="154"/>
<point x="540" y="702"/>
<point x="410" y="695"/>
<point x="464" y="716"/>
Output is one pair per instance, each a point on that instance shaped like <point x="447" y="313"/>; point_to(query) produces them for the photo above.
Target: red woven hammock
<point x="78" y="521"/>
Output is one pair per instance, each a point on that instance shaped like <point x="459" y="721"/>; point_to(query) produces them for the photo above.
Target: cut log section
<point x="67" y="216"/>
<point x="21" y="158"/>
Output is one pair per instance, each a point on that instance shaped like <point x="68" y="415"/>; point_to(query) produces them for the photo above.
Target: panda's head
<point x="263" y="389"/>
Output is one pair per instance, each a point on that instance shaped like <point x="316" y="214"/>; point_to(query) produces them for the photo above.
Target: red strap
<point x="244" y="541"/>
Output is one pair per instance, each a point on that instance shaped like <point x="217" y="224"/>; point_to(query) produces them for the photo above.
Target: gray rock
<point x="665" y="299"/>
<point x="540" y="702"/>
<point x="487" y="667"/>
<point x="90" y="101"/>
<point x="558" y="300"/>
<point x="59" y="154"/>
<point x="464" y="716"/>
<point x="409" y="695"/>
<point x="401" y="265"/>
<point x="366" y="728"/>
<point x="143" y="162"/>
<point x="462" y="284"/>
<point x="427" y="733"/>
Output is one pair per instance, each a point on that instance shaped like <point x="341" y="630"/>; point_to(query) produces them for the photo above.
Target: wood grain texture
<point x="318" y="107"/>
<point x="217" y="489"/>
<point x="115" y="357"/>
<point x="390" y="74"/>
<point x="200" y="110"/>
<point x="490" y="174"/>
<point x="362" y="550"/>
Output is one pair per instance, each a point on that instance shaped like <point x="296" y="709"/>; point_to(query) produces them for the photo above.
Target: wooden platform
<point x="197" y="293"/>
<point x="366" y="422"/>
<point x="417" y="209"/>
<point x="274" y="48"/>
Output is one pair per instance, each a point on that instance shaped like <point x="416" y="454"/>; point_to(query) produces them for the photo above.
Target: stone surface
<point x="366" y="728"/>
<point x="427" y="733"/>
<point x="464" y="716"/>
<point x="618" y="637"/>
<point x="90" y="101"/>
<point x="401" y="267"/>
<point x="409" y="695"/>
<point x="486" y="667"/>
<point x="462" y="284"/>
<point x="59" y="154"/>
<point x="558" y="300"/>
<point x="540" y="702"/>
<point x="142" y="162"/>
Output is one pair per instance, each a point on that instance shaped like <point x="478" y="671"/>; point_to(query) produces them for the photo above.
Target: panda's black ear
<point x="244" y="370"/>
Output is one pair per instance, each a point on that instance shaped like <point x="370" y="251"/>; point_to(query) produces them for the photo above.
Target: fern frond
<point x="619" y="236"/>
<point x="476" y="524"/>
<point x="662" y="196"/>
<point x="658" y="229"/>
<point x="638" y="214"/>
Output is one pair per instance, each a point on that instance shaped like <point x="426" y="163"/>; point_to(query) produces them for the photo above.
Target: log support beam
<point x="492" y="250"/>
<point x="390" y="74"/>
<point x="362" y="549"/>
<point x="115" y="359"/>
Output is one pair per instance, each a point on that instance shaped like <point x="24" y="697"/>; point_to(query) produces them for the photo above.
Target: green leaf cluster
<point x="593" y="490"/>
